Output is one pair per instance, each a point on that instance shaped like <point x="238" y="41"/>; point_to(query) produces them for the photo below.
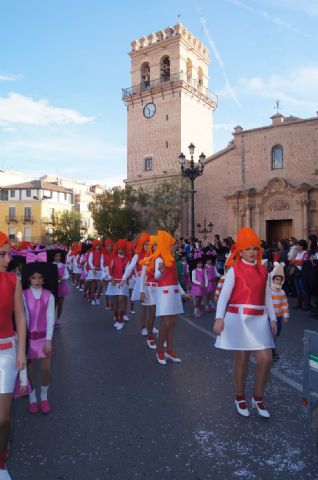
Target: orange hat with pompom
<point x="164" y="243"/>
<point x="246" y="238"/>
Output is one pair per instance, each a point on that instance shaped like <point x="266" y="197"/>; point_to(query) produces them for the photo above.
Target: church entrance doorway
<point x="278" y="229"/>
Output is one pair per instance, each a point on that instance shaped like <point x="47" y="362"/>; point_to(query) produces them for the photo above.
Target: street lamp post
<point x="192" y="170"/>
<point x="204" y="231"/>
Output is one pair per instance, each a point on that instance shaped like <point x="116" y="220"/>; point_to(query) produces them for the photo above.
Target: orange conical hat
<point x="246" y="238"/>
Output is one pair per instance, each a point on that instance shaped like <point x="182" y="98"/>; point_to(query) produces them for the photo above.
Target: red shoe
<point x="161" y="358"/>
<point x="151" y="344"/>
<point x="173" y="357"/>
<point x="45" y="407"/>
<point x="33" y="407"/>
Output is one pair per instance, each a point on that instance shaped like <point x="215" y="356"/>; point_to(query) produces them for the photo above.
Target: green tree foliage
<point x="120" y="212"/>
<point x="67" y="227"/>
<point x="166" y="208"/>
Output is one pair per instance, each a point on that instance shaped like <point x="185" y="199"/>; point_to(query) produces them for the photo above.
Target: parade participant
<point x="168" y="294"/>
<point x="70" y="260"/>
<point x="105" y="258"/>
<point x="135" y="266"/>
<point x="242" y="324"/>
<point x="94" y="272"/>
<point x="212" y="277"/>
<point x="12" y="346"/>
<point x="148" y="288"/>
<point x="185" y="278"/>
<point x="280" y="302"/>
<point x="63" y="289"/>
<point x="131" y="281"/>
<point x="40" y="313"/>
<point x="118" y="287"/>
<point x="199" y="285"/>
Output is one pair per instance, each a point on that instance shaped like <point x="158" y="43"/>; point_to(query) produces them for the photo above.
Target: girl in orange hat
<point x="135" y="266"/>
<point x="241" y="324"/>
<point x="168" y="294"/>
<point x="12" y="347"/>
<point x="94" y="272"/>
<point x="148" y="293"/>
<point x="105" y="259"/>
<point x="118" y="287"/>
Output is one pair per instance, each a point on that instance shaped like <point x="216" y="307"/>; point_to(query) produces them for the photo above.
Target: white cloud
<point x="18" y="109"/>
<point x="4" y="77"/>
<point x="295" y="88"/>
<point x="226" y="127"/>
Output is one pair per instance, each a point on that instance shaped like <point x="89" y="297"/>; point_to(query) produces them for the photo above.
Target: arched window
<point x="189" y="70"/>
<point x="277" y="157"/>
<point x="165" y="69"/>
<point x="200" y="77"/>
<point x="145" y="75"/>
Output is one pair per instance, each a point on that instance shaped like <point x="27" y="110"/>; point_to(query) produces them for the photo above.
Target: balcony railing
<point x="27" y="219"/>
<point x="166" y="80"/>
<point x="12" y="219"/>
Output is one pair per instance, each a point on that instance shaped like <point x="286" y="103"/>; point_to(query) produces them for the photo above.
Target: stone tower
<point x="168" y="105"/>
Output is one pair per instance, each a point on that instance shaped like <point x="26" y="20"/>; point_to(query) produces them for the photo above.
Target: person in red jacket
<point x="12" y="350"/>
<point x="94" y="272"/>
<point x="241" y="323"/>
<point x="168" y="294"/>
<point x="117" y="287"/>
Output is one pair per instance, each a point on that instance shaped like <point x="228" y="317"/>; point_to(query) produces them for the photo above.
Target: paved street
<point x="117" y="414"/>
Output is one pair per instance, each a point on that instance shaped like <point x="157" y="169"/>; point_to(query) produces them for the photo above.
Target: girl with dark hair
<point x="298" y="262"/>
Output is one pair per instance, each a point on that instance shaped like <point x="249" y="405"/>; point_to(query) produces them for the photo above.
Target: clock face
<point x="149" y="110"/>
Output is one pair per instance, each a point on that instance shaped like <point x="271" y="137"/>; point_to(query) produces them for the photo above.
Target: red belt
<point x="151" y="284"/>
<point x="6" y="345"/>
<point x="37" y="335"/>
<point x="246" y="310"/>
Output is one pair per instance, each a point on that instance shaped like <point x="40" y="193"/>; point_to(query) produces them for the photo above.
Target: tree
<point x="120" y="212"/>
<point x="67" y="227"/>
<point x="166" y="206"/>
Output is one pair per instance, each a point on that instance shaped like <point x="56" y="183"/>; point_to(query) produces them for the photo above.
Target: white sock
<point x="32" y="396"/>
<point x="43" y="393"/>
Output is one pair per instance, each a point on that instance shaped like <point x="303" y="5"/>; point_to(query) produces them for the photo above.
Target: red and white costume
<point x="117" y="267"/>
<point x="148" y="286"/>
<point x="135" y="269"/>
<point x="169" y="292"/>
<point x="94" y="270"/>
<point x="245" y="303"/>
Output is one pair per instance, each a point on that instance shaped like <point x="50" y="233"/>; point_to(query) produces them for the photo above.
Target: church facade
<point x="267" y="178"/>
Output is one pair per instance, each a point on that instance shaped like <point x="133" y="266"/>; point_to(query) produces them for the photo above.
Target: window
<point x="12" y="213"/>
<point x="277" y="157"/>
<point x="165" y="69"/>
<point x="148" y="163"/>
<point x="11" y="233"/>
<point x="27" y="213"/>
<point x="167" y="117"/>
<point x="200" y="77"/>
<point x="12" y="193"/>
<point x="65" y="196"/>
<point x="28" y="192"/>
<point x="167" y="144"/>
<point x="145" y="75"/>
<point x="189" y="70"/>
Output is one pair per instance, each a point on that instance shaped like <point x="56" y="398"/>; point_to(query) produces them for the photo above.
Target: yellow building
<point x="26" y="209"/>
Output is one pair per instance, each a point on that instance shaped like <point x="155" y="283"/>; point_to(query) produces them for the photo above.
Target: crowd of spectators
<point x="300" y="258"/>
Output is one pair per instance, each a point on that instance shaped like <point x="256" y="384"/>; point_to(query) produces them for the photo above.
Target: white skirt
<point x="168" y="300"/>
<point x="131" y="282"/>
<point x="245" y="330"/>
<point x="77" y="270"/>
<point x="150" y="291"/>
<point x="114" y="290"/>
<point x="94" y="275"/>
<point x="135" y="296"/>
<point x="8" y="367"/>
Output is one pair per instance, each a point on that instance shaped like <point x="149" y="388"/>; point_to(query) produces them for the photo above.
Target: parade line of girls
<point x="246" y="300"/>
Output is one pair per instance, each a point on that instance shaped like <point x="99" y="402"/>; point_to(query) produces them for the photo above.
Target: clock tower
<point x="168" y="105"/>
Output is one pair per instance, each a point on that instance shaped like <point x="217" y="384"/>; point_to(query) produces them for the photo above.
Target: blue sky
<point x="63" y="64"/>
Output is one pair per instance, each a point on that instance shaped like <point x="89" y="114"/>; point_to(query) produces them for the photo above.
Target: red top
<point x="151" y="277"/>
<point x="8" y="281"/>
<point x="169" y="276"/>
<point x="250" y="284"/>
<point x="96" y="259"/>
<point x="117" y="267"/>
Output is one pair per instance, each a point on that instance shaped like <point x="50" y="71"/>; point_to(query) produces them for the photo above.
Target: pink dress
<point x="37" y="309"/>
<point x="211" y="274"/>
<point x="197" y="290"/>
<point x="64" y="290"/>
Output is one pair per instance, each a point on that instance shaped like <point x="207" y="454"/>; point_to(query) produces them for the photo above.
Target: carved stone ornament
<point x="279" y="204"/>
